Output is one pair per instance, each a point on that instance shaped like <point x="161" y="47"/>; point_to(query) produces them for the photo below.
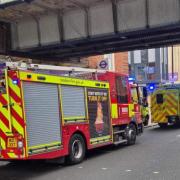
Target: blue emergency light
<point x="15" y="81"/>
<point x="151" y="87"/>
<point x="131" y="79"/>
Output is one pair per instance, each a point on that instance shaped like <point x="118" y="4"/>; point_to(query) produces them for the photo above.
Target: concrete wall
<point x="74" y="24"/>
<point x="95" y="20"/>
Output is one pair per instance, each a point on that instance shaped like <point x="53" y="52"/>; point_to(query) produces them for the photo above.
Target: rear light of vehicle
<point x="20" y="144"/>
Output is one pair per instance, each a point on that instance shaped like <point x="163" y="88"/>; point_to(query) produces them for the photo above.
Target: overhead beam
<point x="115" y="18"/>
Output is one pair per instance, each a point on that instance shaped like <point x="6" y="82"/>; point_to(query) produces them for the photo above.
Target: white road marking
<point x="156" y="172"/>
<point x="104" y="168"/>
<point x="128" y="170"/>
<point x="80" y="167"/>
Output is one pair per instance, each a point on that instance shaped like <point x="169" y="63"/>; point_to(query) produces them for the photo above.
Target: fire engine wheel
<point x="76" y="149"/>
<point x="131" y="134"/>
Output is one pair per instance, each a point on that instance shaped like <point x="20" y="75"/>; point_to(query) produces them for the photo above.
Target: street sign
<point x="103" y="64"/>
<point x="173" y="77"/>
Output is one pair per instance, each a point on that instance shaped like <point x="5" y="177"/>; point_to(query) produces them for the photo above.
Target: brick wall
<point x="93" y="61"/>
<point x="121" y="63"/>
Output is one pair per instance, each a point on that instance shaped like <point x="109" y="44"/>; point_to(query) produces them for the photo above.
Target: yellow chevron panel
<point x="15" y="88"/>
<point x="12" y="155"/>
<point x="18" y="127"/>
<point x="18" y="109"/>
<point x="3" y="127"/>
<point x="3" y="143"/>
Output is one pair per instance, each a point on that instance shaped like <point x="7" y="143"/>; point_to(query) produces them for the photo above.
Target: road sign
<point x="103" y="64"/>
<point x="173" y="76"/>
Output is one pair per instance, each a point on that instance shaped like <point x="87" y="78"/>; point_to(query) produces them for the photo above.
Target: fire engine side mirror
<point x="2" y="88"/>
<point x="140" y="101"/>
<point x="145" y="93"/>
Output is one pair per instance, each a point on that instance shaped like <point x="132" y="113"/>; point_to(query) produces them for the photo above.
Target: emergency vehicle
<point x="165" y="105"/>
<point x="141" y="99"/>
<point x="47" y="116"/>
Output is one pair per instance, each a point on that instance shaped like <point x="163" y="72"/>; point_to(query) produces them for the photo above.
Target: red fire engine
<point x="46" y="116"/>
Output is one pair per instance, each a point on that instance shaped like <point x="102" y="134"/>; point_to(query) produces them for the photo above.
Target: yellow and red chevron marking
<point x="18" y="124"/>
<point x="4" y="116"/>
<point x="5" y="128"/>
<point x="4" y="121"/>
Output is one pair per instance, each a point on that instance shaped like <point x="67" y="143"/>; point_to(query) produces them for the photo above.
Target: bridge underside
<point x="59" y="29"/>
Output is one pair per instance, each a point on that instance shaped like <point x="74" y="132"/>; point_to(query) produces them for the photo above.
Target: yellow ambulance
<point x="165" y="105"/>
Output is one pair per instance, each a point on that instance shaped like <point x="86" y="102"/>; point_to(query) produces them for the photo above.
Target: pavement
<point x="155" y="156"/>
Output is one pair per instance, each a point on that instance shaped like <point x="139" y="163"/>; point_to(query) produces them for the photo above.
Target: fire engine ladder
<point x="51" y="69"/>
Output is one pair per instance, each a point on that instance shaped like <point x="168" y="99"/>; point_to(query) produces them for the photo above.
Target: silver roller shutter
<point x="73" y="101"/>
<point x="42" y="110"/>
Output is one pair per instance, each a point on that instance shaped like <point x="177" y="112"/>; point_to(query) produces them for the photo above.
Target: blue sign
<point x="173" y="77"/>
<point x="103" y="64"/>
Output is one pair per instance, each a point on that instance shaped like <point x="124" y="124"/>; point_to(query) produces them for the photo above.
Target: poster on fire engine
<point x="99" y="119"/>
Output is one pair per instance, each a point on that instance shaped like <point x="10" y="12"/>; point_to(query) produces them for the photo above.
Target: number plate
<point x="12" y="143"/>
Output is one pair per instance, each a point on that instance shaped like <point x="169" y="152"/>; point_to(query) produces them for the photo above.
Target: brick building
<point x="113" y="62"/>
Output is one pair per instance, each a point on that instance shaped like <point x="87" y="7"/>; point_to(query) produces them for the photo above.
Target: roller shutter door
<point x="42" y="110"/>
<point x="73" y="102"/>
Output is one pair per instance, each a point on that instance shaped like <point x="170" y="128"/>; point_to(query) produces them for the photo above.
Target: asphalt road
<point x="156" y="156"/>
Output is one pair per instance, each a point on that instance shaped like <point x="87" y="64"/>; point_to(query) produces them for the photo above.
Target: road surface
<point x="156" y="156"/>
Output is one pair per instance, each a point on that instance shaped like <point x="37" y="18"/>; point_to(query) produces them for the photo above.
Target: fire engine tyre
<point x="163" y="125"/>
<point x="77" y="149"/>
<point x="131" y="134"/>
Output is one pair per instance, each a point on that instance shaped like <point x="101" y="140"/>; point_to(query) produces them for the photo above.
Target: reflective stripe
<point x="62" y="80"/>
<point x="12" y="155"/>
<point x="114" y="111"/>
<point x="18" y="127"/>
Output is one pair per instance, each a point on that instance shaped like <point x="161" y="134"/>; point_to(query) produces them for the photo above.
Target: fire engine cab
<point x="47" y="116"/>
